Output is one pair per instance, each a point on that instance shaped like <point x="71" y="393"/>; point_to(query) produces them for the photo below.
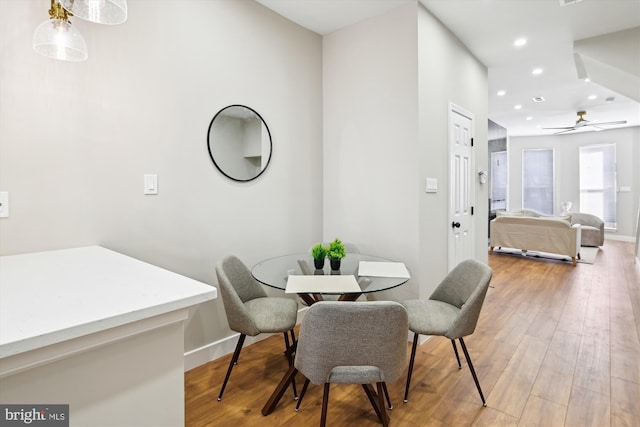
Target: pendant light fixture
<point x="57" y="39"/>
<point x="109" y="12"/>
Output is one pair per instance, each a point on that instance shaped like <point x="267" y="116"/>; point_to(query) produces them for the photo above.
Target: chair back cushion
<point x="587" y="219"/>
<point x="237" y="286"/>
<point x="464" y="287"/>
<point x="355" y="342"/>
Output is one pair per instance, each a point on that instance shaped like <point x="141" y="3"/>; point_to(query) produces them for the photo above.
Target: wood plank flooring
<point x="556" y="345"/>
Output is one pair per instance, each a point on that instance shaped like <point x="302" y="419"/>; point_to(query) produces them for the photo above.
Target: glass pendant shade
<point x="99" y="11"/>
<point x="57" y="39"/>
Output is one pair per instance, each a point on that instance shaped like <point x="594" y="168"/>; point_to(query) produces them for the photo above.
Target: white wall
<point x="449" y="73"/>
<point x="371" y="136"/>
<point x="77" y="138"/>
<point x="388" y="82"/>
<point x="567" y="179"/>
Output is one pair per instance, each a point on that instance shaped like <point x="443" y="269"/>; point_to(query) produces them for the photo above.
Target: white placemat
<point x="322" y="284"/>
<point x="383" y="269"/>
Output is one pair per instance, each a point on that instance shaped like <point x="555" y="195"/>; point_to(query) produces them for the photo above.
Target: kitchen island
<point x="98" y="330"/>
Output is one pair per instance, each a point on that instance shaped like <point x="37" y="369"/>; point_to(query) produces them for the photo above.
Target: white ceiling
<point x="489" y="27"/>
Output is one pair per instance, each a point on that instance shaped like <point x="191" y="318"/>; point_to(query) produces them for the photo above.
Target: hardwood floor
<point x="555" y="345"/>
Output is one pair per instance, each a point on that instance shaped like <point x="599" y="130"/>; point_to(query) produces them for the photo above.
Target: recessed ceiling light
<point x="529" y="118"/>
<point x="501" y="93"/>
<point x="592" y="97"/>
<point x="520" y="42"/>
<point x="587" y="79"/>
<point x="538" y="99"/>
<point x="517" y="107"/>
<point x="537" y="71"/>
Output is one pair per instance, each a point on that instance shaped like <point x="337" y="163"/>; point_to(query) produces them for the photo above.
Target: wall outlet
<point x="4" y="204"/>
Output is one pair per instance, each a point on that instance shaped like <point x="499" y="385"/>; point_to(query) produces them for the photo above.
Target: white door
<point x="461" y="192"/>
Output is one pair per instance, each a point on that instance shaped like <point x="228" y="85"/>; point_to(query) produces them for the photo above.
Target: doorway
<point x="498" y="186"/>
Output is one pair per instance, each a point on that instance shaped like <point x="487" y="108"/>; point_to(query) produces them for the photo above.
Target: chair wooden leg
<point x="304" y="390"/>
<point x="234" y="360"/>
<point x="473" y="371"/>
<point x="455" y="350"/>
<point x="289" y="352"/>
<point x="294" y="344"/>
<point x="413" y="358"/>
<point x="325" y="404"/>
<point x="377" y="401"/>
<point x="386" y="393"/>
<point x="384" y="417"/>
<point x="290" y="347"/>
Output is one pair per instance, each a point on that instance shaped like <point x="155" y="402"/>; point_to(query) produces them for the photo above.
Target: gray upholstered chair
<point x="592" y="228"/>
<point x="353" y="343"/>
<point x="451" y="311"/>
<point x="251" y="312"/>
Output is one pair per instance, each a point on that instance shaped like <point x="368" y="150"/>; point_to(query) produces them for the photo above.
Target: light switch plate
<point x="4" y="204"/>
<point x="431" y="185"/>
<point x="151" y="184"/>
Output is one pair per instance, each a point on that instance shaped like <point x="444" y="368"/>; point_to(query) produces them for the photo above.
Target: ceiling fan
<point x="582" y="123"/>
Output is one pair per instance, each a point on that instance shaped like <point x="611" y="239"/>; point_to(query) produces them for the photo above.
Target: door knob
<point x="455" y="224"/>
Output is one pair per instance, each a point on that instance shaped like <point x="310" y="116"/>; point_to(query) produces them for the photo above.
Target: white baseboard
<point x="618" y="237"/>
<point x="217" y="349"/>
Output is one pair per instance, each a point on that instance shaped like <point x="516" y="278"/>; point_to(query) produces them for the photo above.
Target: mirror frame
<point x="209" y="142"/>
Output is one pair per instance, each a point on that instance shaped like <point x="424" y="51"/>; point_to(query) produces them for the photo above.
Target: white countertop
<point x="50" y="297"/>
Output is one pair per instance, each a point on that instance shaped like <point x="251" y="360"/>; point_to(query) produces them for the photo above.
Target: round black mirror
<point x="239" y="143"/>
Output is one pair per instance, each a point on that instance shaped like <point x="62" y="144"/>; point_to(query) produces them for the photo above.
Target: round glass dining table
<point x="273" y="272"/>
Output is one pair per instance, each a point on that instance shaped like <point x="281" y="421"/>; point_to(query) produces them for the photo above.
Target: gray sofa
<point x="542" y="233"/>
<point x="592" y="228"/>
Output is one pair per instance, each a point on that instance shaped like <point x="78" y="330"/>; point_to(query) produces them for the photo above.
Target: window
<point x="537" y="180"/>
<point x="598" y="182"/>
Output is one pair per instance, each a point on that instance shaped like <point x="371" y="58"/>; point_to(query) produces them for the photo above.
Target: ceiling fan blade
<point x="565" y="131"/>
<point x="585" y="124"/>
<point x="619" y="122"/>
<point x="566" y="127"/>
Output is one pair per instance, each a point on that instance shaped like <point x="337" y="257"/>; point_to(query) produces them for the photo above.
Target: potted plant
<point x="319" y="253"/>
<point x="336" y="253"/>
